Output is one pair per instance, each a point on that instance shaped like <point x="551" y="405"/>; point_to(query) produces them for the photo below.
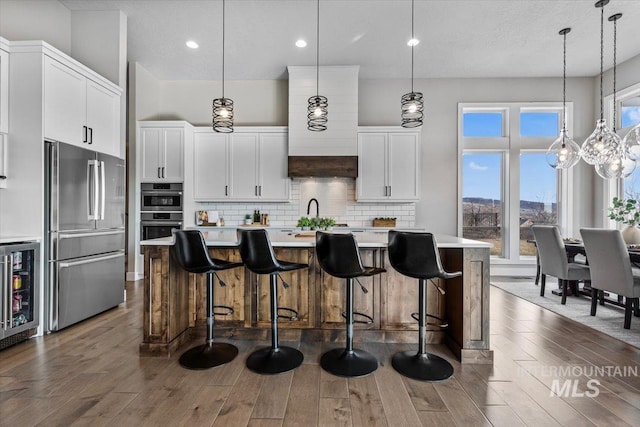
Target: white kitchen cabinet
<point x="78" y="110"/>
<point x="4" y="90"/>
<point x="210" y="166"/>
<point x="248" y="165"/>
<point x="162" y="154"/>
<point x="388" y="165"/>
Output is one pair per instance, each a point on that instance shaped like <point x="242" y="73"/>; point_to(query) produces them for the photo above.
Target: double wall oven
<point x="160" y="209"/>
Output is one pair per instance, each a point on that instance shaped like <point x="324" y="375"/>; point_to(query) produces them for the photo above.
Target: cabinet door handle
<point x="163" y="171"/>
<point x="256" y="191"/>
<point x="386" y="190"/>
<point x="259" y="190"/>
<point x="226" y="190"/>
<point x="84" y="134"/>
<point x="389" y="191"/>
<point x="159" y="176"/>
<point x="90" y="135"/>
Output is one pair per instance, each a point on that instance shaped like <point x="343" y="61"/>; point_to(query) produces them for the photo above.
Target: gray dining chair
<point x="611" y="269"/>
<point x="553" y="259"/>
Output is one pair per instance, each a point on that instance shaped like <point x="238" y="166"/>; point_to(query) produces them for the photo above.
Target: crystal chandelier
<point x="619" y="166"/>
<point x="602" y="145"/>
<point x="563" y="153"/>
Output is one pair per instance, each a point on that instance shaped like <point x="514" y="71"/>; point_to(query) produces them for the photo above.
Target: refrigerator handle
<point x="90" y="214"/>
<point x="102" y="190"/>
<point x="9" y="293"/>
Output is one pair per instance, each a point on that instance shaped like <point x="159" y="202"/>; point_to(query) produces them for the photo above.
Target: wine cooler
<point x="19" y="288"/>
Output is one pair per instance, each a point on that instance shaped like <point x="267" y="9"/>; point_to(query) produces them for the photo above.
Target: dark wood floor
<point x="91" y="374"/>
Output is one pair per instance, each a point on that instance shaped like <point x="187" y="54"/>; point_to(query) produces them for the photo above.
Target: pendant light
<point x="602" y="145"/>
<point x="564" y="153"/>
<point x="318" y="109"/>
<point x="412" y="103"/>
<point x="223" y="107"/>
<point x="619" y="166"/>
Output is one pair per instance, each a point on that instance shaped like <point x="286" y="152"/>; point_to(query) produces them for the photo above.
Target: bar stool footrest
<point x="292" y="316"/>
<point x="441" y="323"/>
<point x="368" y="319"/>
<point x="228" y="310"/>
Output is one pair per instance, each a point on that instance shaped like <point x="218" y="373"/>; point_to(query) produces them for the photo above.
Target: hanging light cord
<point x="412" y="43"/>
<point x="615" y="31"/>
<point x="223" y="2"/>
<point x="564" y="81"/>
<point x="601" y="59"/>
<point x="318" y="50"/>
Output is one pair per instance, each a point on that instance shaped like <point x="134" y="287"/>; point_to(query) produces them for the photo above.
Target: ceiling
<point x="459" y="38"/>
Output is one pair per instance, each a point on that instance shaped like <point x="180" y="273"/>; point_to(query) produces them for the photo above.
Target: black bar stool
<point x="257" y="254"/>
<point x="190" y="251"/>
<point x="338" y="255"/>
<point x="416" y="255"/>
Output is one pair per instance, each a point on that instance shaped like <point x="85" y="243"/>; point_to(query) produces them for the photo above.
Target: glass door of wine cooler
<point x="19" y="311"/>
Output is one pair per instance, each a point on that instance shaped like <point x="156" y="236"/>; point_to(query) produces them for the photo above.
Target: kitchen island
<point x="174" y="299"/>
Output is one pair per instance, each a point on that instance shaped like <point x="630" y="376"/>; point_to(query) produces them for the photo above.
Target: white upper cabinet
<point x="274" y="182"/>
<point x="78" y="110"/>
<point x="210" y="171"/>
<point x="388" y="165"/>
<point x="247" y="165"/>
<point x="4" y="91"/>
<point x="161" y="153"/>
<point x="244" y="166"/>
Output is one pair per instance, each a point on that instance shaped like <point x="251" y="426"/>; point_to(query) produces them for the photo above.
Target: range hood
<point x="333" y="152"/>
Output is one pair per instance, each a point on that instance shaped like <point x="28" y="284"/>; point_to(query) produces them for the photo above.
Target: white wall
<point x="257" y="102"/>
<point x="46" y="20"/>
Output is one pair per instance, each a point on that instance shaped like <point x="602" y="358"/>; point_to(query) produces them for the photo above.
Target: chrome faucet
<point x="317" y="207"/>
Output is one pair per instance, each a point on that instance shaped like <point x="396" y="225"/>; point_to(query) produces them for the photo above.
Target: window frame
<point x="512" y="144"/>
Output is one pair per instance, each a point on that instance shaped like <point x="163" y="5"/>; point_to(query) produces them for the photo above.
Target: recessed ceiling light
<point x="301" y="43"/>
<point x="191" y="44"/>
<point x="413" y="42"/>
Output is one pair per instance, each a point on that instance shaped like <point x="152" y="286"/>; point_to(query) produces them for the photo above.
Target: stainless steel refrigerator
<point x="86" y="234"/>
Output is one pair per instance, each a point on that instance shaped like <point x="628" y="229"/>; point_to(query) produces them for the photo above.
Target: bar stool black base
<point x="424" y="367"/>
<point x="270" y="361"/>
<point x="208" y="355"/>
<point x="343" y="363"/>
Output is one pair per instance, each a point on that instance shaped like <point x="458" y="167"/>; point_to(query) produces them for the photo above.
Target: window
<point x="506" y="183"/>
<point x="483" y="124"/>
<point x="482" y="199"/>
<point x="630" y="112"/>
<point x="538" y="197"/>
<point x="539" y="124"/>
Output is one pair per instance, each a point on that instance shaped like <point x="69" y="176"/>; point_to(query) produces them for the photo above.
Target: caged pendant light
<point x="619" y="166"/>
<point x="412" y="104"/>
<point x="318" y="108"/>
<point x="223" y="107"/>
<point x="602" y="145"/>
<point x="563" y="153"/>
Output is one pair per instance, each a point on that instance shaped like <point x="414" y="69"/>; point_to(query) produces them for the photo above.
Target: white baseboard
<point x="134" y="275"/>
<point x="516" y="270"/>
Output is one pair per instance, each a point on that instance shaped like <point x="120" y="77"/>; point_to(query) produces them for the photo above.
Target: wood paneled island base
<point x="174" y="299"/>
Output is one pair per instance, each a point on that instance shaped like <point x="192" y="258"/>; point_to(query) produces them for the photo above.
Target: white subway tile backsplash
<point x="287" y="214"/>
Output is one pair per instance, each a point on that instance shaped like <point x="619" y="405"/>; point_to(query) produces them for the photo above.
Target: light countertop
<point x="18" y="239"/>
<point x="228" y="238"/>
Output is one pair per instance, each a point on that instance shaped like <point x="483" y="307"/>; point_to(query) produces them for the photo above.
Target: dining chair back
<point x="554" y="262"/>
<point x="611" y="269"/>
